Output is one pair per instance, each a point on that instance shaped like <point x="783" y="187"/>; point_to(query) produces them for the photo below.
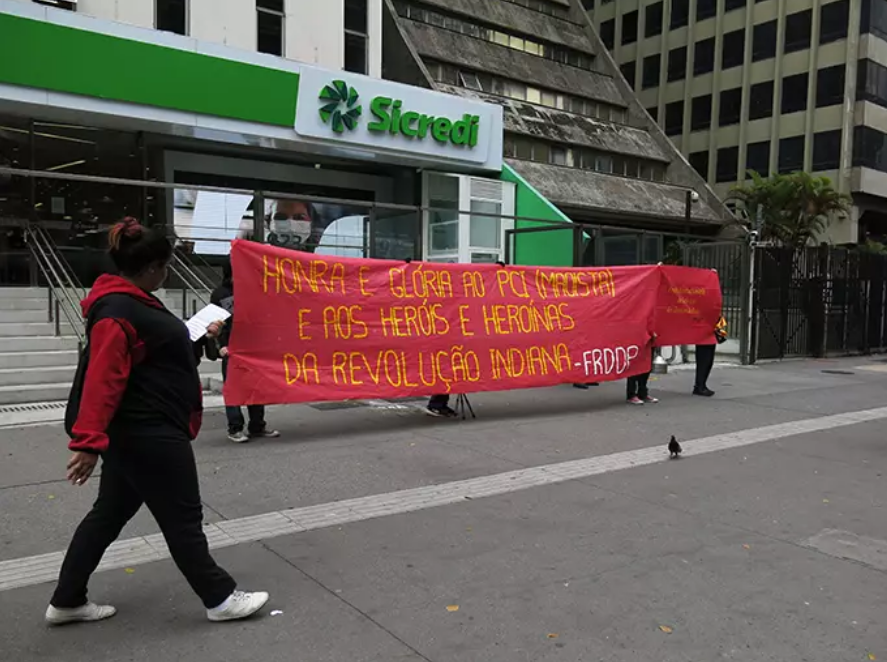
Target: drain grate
<point x="33" y="406"/>
<point x="332" y="406"/>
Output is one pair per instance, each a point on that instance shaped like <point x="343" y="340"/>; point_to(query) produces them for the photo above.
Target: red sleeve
<point x="110" y="361"/>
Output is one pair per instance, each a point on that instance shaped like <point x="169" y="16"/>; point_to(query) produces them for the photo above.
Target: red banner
<point x="311" y="328"/>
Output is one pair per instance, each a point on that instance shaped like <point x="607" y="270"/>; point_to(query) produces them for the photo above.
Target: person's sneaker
<point x="650" y="400"/>
<point x="441" y="412"/>
<point x="238" y="605"/>
<point x="88" y="613"/>
<point x="704" y="392"/>
<point x="240" y="437"/>
<point x="585" y="386"/>
<point x="265" y="434"/>
<point x="635" y="401"/>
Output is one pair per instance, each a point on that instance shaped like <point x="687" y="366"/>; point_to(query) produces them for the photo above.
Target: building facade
<point x="574" y="131"/>
<point x="764" y="85"/>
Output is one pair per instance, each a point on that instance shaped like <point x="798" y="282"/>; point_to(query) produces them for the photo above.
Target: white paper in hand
<point x="198" y="324"/>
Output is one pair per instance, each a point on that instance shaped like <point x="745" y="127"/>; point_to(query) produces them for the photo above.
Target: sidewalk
<point x="726" y="554"/>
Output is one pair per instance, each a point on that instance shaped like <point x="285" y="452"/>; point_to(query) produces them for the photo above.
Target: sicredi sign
<point x="390" y="117"/>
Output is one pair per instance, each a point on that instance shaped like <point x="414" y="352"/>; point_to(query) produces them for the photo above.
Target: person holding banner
<point x="705" y="359"/>
<point x="223" y="296"/>
<point x="636" y="390"/>
<point x="136" y="403"/>
<point x="439" y="405"/>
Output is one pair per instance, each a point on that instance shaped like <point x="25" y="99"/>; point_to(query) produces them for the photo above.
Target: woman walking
<point x="139" y="408"/>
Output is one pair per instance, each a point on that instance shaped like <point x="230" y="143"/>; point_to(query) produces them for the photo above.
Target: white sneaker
<point x="238" y="605"/>
<point x="88" y="613"/>
<point x="238" y="437"/>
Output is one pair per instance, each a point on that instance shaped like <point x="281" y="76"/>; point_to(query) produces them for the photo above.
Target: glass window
<point x="757" y="158"/>
<point x="794" y="93"/>
<point x="706" y="9"/>
<point x="797" y="31"/>
<point x="700" y="113"/>
<point x="872" y="82"/>
<point x="791" y="154"/>
<point x="628" y="70"/>
<point x="355" y="16"/>
<point x="727" y="164"/>
<point x="830" y="86"/>
<point x="604" y="163"/>
<point x="269" y="28"/>
<point x="827" y="150"/>
<point x="833" y="21"/>
<point x="608" y="33"/>
<point x="699" y="161"/>
<point x="443" y="219"/>
<point x="630" y="27"/>
<point x="869" y="148"/>
<point x="764" y="41"/>
<point x="652" y="64"/>
<point x="704" y="56"/>
<point x="874" y="18"/>
<point x="733" y="52"/>
<point x="558" y="156"/>
<point x="485" y="227"/>
<point x="730" y="107"/>
<point x="674" y="118"/>
<point x="534" y="95"/>
<point x="171" y="16"/>
<point x="653" y="19"/>
<point x="654" y="113"/>
<point x="680" y="13"/>
<point x="730" y="5"/>
<point x="677" y="63"/>
<point x="760" y="100"/>
<point x="356" y="53"/>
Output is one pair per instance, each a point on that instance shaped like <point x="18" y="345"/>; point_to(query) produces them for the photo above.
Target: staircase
<point x="36" y="365"/>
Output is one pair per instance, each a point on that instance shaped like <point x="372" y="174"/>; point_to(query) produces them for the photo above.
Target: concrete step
<point x="15" y="344"/>
<point x="36" y="376"/>
<point x="8" y="293"/>
<point x="18" y="316"/>
<point x="14" y="395"/>
<point x="21" y="360"/>
<point x="25" y="329"/>
<point x="24" y="304"/>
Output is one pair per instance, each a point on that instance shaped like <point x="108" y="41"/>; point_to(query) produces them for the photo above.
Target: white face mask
<point x="291" y="232"/>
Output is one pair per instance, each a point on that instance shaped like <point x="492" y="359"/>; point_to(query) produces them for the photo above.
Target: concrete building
<point x="574" y="130"/>
<point x="764" y="85"/>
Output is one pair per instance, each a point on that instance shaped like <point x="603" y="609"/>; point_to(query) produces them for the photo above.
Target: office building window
<point x="797" y="31"/>
<point x="733" y="52"/>
<point x="869" y="148"/>
<point x="706" y="9"/>
<point x="699" y="161"/>
<point x="674" y="118"/>
<point x="833" y="21"/>
<point x="760" y="100"/>
<point x="700" y="113"/>
<point x="871" y="82"/>
<point x="650" y="75"/>
<point x="727" y="165"/>
<point x="791" y="154"/>
<point x="171" y="16"/>
<point x="654" y="113"/>
<point x="680" y="13"/>
<point x="677" y="63"/>
<point x="608" y="33"/>
<point x="827" y="150"/>
<point x="874" y="18"/>
<point x="757" y="158"/>
<point x="730" y="107"/>
<point x="730" y="5"/>
<point x="704" y="56"/>
<point x="630" y="27"/>
<point x="356" y="36"/>
<point x="763" y="41"/>
<point x="653" y="20"/>
<point x="830" y="86"/>
<point x="628" y="70"/>
<point x="269" y="27"/>
<point x="794" y="93"/>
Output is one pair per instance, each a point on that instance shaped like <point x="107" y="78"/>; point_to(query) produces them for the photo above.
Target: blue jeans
<point x="236" y="423"/>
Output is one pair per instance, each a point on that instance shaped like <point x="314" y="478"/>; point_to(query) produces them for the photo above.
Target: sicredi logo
<point x="340" y="110"/>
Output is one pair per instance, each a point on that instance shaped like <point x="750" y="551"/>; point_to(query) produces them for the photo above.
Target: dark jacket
<point x="142" y="377"/>
<point x="223" y="296"/>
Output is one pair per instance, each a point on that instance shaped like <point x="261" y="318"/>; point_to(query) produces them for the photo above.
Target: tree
<point x="794" y="208"/>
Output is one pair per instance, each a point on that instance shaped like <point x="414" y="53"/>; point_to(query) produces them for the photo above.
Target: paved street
<point x="553" y="527"/>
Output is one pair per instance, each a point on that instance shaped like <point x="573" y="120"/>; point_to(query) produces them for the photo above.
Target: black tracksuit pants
<point x="637" y="387"/>
<point x="705" y="361"/>
<point x="161" y="473"/>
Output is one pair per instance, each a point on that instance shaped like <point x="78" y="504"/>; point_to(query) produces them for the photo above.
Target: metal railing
<point x="192" y="283"/>
<point x="64" y="289"/>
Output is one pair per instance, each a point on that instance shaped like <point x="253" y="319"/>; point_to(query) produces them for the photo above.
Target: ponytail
<point x="134" y="248"/>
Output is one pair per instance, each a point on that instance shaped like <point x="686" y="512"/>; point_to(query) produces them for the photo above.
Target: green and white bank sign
<point x="385" y="116"/>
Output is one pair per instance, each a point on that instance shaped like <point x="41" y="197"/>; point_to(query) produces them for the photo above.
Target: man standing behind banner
<point x="223" y="296"/>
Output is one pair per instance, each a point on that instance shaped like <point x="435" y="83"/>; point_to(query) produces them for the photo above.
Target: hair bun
<point x="129" y="227"/>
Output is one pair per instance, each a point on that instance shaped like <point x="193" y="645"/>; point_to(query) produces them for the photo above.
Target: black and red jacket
<point x="141" y="377"/>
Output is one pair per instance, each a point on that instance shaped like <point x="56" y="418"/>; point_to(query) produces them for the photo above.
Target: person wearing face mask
<point x="292" y="225"/>
<point x="137" y="405"/>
